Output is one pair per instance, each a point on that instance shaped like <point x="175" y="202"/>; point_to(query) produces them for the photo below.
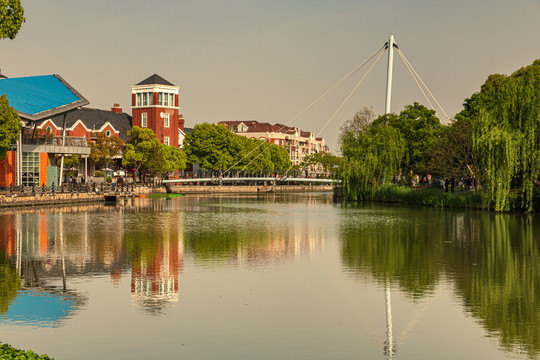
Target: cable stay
<point x="410" y="67"/>
<point x="352" y="93"/>
<point x="389" y="45"/>
<point x="310" y="106"/>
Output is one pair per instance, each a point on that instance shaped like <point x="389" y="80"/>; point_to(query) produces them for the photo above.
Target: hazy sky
<point x="268" y="60"/>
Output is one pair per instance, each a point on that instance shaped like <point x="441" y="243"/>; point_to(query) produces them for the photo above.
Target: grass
<point x="439" y="198"/>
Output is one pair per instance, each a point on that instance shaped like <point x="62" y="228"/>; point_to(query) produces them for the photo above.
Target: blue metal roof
<point x="34" y="95"/>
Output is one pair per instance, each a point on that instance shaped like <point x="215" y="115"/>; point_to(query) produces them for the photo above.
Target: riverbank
<point x="18" y="199"/>
<point x="433" y="197"/>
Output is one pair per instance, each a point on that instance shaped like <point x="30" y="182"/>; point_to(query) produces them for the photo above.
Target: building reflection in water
<point x="47" y="248"/>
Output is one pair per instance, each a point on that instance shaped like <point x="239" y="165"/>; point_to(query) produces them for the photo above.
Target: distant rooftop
<point x="39" y="97"/>
<point x="155" y="80"/>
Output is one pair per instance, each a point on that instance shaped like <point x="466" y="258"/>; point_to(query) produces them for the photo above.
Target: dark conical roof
<point x="155" y="80"/>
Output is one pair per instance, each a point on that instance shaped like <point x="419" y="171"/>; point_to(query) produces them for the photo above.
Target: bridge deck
<point x="233" y="179"/>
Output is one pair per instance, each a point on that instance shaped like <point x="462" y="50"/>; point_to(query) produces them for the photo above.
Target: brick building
<point x="154" y="105"/>
<point x="298" y="143"/>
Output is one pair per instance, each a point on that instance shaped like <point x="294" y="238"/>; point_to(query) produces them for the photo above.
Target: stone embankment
<point x="15" y="199"/>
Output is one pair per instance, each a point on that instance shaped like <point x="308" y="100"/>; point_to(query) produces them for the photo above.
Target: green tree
<point x="10" y="126"/>
<point x="453" y="153"/>
<point x="359" y="122"/>
<point x="325" y="161"/>
<point x="105" y="149"/>
<point x="420" y="128"/>
<point x="211" y="146"/>
<point x="11" y="18"/>
<point x="142" y="151"/>
<point x="173" y="158"/>
<point x="147" y="155"/>
<point x="372" y="156"/>
<point x="505" y="129"/>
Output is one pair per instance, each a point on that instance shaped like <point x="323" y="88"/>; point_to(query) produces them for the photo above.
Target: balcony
<point x="68" y="145"/>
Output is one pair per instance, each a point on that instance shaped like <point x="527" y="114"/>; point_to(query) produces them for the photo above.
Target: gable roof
<point x="94" y="119"/>
<point x="39" y="97"/>
<point x="155" y="80"/>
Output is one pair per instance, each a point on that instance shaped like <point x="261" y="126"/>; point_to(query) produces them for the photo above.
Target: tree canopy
<point x="10" y="126"/>
<point x="105" y="149"/>
<point x="420" y="128"/>
<point x="505" y="130"/>
<point x="148" y="156"/>
<point x="372" y="156"/>
<point x="214" y="147"/>
<point x="11" y="18"/>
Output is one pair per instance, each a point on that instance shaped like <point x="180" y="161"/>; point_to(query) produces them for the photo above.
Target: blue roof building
<point x="39" y="97"/>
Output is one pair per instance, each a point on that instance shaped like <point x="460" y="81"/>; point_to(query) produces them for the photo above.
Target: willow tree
<point x="506" y="133"/>
<point x="372" y="156"/>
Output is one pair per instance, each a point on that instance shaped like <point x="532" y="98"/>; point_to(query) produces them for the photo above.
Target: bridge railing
<point x="73" y="188"/>
<point x="275" y="174"/>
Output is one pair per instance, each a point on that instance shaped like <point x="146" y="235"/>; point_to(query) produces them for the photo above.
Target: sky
<point x="267" y="60"/>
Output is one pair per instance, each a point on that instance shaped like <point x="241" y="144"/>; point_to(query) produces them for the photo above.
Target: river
<point x="270" y="276"/>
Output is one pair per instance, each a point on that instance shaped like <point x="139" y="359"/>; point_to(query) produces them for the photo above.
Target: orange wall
<point x="7" y="169"/>
<point x="43" y="162"/>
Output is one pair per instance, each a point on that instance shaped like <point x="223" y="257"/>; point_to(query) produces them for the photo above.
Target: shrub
<point x="108" y="179"/>
<point x="8" y="352"/>
<point x="98" y="173"/>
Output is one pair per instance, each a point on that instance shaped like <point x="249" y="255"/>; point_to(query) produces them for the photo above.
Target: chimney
<point x="116" y="108"/>
<point x="181" y="121"/>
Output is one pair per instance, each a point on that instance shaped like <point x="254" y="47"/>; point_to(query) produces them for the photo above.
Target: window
<point x="48" y="129"/>
<point x="165" y="99"/>
<point x="166" y="140"/>
<point x="144" y="99"/>
<point x="144" y="120"/>
<point x="166" y="120"/>
<point x="30" y="168"/>
<point x="108" y="133"/>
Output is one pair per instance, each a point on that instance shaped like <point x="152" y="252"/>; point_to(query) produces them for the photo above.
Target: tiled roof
<point x="39" y="97"/>
<point x="155" y="80"/>
<point x="94" y="119"/>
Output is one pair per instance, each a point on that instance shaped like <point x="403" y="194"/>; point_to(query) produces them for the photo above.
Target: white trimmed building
<point x="298" y="143"/>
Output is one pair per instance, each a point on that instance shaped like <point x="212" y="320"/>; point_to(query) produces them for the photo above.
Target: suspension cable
<point x="416" y="80"/>
<point x="320" y="98"/>
<point x="347" y="100"/>
<point x="407" y="61"/>
<point x="353" y="92"/>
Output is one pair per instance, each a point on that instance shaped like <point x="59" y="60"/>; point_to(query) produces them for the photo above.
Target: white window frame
<point x="166" y="140"/>
<point x="166" y="120"/>
<point x="144" y="120"/>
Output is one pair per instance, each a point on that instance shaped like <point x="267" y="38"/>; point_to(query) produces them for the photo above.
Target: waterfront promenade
<point x="40" y="196"/>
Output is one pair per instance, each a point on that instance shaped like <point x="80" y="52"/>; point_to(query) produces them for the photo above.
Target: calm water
<point x="269" y="277"/>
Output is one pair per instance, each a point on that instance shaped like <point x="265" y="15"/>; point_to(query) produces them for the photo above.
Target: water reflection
<point x="489" y="262"/>
<point x="247" y="231"/>
<point x="493" y="260"/>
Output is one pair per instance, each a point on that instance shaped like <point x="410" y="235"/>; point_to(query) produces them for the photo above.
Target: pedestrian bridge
<point x="277" y="180"/>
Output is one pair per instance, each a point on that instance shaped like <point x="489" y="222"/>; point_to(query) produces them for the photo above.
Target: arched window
<point x="108" y="133"/>
<point x="48" y="129"/>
